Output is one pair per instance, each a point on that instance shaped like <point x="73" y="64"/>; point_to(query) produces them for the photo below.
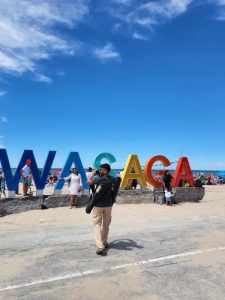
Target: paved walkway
<point x="171" y="257"/>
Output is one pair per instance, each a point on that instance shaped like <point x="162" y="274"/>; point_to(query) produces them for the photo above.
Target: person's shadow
<point x="124" y="244"/>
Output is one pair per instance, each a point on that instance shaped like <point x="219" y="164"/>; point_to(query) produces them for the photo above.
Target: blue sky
<point x="118" y="76"/>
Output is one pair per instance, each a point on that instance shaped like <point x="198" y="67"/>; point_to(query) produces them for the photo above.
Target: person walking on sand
<point x="25" y="172"/>
<point x="75" y="186"/>
<point x="102" y="209"/>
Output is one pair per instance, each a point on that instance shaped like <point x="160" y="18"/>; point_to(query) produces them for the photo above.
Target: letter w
<point x="40" y="178"/>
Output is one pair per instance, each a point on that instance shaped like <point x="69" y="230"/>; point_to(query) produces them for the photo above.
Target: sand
<point x="212" y="204"/>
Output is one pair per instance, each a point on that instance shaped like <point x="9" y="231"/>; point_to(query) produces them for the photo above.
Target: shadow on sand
<point x="124" y="244"/>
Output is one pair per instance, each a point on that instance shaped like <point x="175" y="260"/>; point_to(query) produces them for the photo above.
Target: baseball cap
<point x="28" y="161"/>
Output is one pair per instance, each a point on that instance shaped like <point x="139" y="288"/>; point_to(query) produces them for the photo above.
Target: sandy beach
<point x="212" y="204"/>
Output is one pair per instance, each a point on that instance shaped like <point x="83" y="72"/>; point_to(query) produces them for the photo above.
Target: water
<point x="205" y="172"/>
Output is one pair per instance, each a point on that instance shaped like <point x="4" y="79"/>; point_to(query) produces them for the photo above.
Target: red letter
<point x="148" y="168"/>
<point x="183" y="172"/>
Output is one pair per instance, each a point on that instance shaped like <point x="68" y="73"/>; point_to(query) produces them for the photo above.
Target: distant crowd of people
<point x="210" y="179"/>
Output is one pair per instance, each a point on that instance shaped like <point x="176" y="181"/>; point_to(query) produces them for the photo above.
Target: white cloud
<point x="108" y="52"/>
<point x="220" y="16"/>
<point x="143" y="16"/>
<point x="145" y="21"/>
<point x="220" y="2"/>
<point x="162" y="11"/>
<point x="3" y="93"/>
<point x="123" y="2"/>
<point x="43" y="78"/>
<point x="3" y="119"/>
<point x="138" y="36"/>
<point x="30" y="32"/>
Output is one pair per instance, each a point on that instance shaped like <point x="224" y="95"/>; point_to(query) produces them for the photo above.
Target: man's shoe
<point x="100" y="251"/>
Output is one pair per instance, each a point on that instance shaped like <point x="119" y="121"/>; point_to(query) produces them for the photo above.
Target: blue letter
<point x="39" y="179"/>
<point x="72" y="158"/>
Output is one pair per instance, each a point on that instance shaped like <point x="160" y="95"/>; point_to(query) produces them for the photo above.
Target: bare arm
<point x="90" y="181"/>
<point x="81" y="185"/>
<point x="66" y="178"/>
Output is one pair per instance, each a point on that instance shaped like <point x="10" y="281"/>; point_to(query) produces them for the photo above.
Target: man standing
<point x="167" y="178"/>
<point x="25" y="172"/>
<point x="89" y="175"/>
<point x="102" y="209"/>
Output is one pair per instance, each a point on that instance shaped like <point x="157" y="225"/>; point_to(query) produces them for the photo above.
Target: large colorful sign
<point x="132" y="170"/>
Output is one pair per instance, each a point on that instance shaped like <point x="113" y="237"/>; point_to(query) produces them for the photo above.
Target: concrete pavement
<point x="173" y="258"/>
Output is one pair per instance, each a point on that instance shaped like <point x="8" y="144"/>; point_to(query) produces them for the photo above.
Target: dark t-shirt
<point x="105" y="200"/>
<point x="167" y="180"/>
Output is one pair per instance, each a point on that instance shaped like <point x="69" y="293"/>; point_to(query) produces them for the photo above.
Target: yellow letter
<point x="132" y="170"/>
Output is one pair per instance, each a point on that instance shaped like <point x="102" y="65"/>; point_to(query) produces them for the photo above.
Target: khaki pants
<point x="102" y="220"/>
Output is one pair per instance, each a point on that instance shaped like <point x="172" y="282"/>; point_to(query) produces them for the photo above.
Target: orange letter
<point x="183" y="172"/>
<point x="132" y="164"/>
<point x="148" y="168"/>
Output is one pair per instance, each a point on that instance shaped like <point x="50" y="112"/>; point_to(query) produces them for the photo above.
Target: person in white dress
<point x="75" y="186"/>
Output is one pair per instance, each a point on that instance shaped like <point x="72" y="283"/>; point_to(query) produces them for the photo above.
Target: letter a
<point x="133" y="170"/>
<point x="183" y="172"/>
<point x="72" y="158"/>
